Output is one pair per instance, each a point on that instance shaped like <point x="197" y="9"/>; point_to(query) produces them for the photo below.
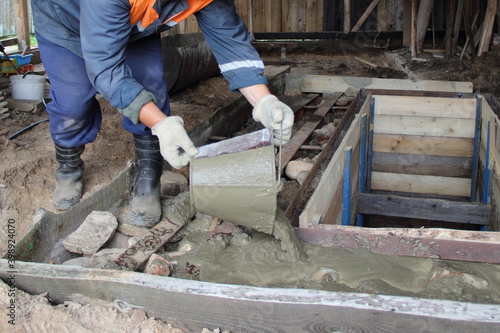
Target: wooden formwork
<point x="194" y="305"/>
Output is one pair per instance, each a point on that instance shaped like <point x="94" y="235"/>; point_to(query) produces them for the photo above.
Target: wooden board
<point x="446" y="244"/>
<point x="411" y="144"/>
<point x="439" y="107"/>
<point x="426" y="126"/>
<point x="414" y="164"/>
<point x="193" y="305"/>
<point x="425" y="209"/>
<point x="331" y="84"/>
<point x="384" y="181"/>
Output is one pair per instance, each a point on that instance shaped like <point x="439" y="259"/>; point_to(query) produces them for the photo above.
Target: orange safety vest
<point x="142" y="11"/>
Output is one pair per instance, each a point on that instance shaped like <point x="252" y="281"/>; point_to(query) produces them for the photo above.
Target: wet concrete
<point x="248" y="257"/>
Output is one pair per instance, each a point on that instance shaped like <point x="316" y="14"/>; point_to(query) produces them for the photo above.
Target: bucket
<point x="235" y="180"/>
<point x="28" y="87"/>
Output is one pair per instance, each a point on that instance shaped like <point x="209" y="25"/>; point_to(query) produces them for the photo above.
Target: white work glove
<point x="173" y="138"/>
<point x="276" y="116"/>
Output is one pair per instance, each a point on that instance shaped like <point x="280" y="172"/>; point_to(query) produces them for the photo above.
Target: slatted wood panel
<point x="326" y="200"/>
<point x="423" y="144"/>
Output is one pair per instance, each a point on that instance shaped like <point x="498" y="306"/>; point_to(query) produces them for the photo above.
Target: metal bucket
<point x="235" y="180"/>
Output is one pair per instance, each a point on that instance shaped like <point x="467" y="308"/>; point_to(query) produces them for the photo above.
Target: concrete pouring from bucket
<point x="235" y="180"/>
<point x="28" y="87"/>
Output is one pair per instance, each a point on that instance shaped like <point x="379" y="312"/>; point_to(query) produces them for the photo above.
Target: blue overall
<point x="75" y="114"/>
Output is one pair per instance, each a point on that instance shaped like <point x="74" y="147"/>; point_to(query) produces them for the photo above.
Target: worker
<point x="114" y="48"/>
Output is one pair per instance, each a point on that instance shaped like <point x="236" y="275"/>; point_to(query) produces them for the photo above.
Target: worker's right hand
<point x="175" y="145"/>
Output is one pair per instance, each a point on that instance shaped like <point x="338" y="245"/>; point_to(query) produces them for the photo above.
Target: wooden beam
<point x="425" y="209"/>
<point x="446" y="244"/>
<point x="365" y="15"/>
<point x="347" y="16"/>
<point x="407" y="23"/>
<point x="413" y="164"/>
<point x="257" y="309"/>
<point x="424" y="15"/>
<point x="22" y="24"/>
<point x="414" y="12"/>
<point x="489" y="22"/>
<point x="385" y="181"/>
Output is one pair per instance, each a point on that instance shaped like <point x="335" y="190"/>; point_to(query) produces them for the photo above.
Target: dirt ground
<point x="27" y="164"/>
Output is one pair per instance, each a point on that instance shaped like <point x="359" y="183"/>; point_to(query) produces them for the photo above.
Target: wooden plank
<point x="383" y="16"/>
<point x="365" y="15"/>
<point x="426" y="126"/>
<point x="257" y="309"/>
<point x="488" y="25"/>
<point x="424" y="145"/>
<point x="329" y="84"/>
<point x="425" y="209"/>
<point x="334" y="211"/>
<point x="425" y="106"/>
<point x="423" y="17"/>
<point x="324" y="193"/>
<point x="413" y="164"/>
<point x="292" y="16"/>
<point x="319" y="15"/>
<point x="413" y="43"/>
<point x="310" y="12"/>
<point x="407" y="23"/>
<point x="276" y="16"/>
<point x="137" y="254"/>
<point x="446" y="244"/>
<point x="289" y="150"/>
<point x="308" y="187"/>
<point x="22" y="23"/>
<point x="259" y="16"/>
<point x="385" y="181"/>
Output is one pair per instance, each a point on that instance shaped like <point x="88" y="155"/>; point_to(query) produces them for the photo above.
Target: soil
<point x="28" y="163"/>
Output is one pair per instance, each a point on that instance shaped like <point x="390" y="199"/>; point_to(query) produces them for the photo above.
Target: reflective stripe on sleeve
<point x="230" y="66"/>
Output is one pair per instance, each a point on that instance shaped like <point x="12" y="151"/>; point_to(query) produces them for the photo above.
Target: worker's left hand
<point x="276" y="116"/>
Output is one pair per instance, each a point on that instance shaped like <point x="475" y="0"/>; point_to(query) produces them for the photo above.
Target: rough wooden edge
<point x="194" y="305"/>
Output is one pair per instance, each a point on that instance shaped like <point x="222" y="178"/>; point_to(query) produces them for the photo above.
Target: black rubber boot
<point x="69" y="174"/>
<point x="145" y="207"/>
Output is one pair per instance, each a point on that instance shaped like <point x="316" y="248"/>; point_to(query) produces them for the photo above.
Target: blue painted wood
<point x="486" y="186"/>
<point x="363" y="159"/>
<point x="475" y="156"/>
<point x="347" y="191"/>
<point x="370" y="147"/>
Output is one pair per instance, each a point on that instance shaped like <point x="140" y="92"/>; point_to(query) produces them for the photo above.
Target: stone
<point x="294" y="168"/>
<point x="138" y="316"/>
<point x="119" y="241"/>
<point x="80" y="261"/>
<point x="302" y="176"/>
<point x="351" y="92"/>
<point x="343" y="101"/>
<point x="104" y="258"/>
<point x="170" y="177"/>
<point x="325" y="132"/>
<point x="92" y="234"/>
<point x="158" y="266"/>
<point x="173" y="183"/>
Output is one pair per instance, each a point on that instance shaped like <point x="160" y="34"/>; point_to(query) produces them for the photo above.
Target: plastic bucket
<point x="28" y="87"/>
<point x="235" y="180"/>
